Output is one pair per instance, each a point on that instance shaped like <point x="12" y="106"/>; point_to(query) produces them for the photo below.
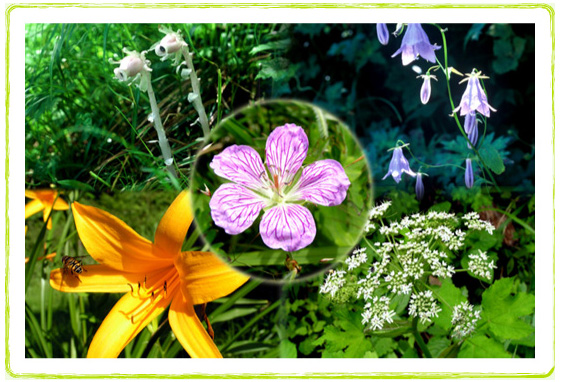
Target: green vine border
<point x="10" y="8"/>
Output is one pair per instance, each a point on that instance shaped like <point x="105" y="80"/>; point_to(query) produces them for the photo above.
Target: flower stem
<point x="162" y="139"/>
<point x="198" y="103"/>
<point x="419" y="339"/>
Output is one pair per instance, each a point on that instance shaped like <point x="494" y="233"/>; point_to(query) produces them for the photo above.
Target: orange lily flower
<point x="155" y="275"/>
<point x="44" y="200"/>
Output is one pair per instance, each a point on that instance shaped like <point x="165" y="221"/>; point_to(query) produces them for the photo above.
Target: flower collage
<point x="280" y="190"/>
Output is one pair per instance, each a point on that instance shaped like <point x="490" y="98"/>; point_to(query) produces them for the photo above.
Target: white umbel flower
<point x="424" y="306"/>
<point x="464" y="320"/>
<point x="333" y="282"/>
<point x="377" y="313"/>
<point x="480" y="265"/>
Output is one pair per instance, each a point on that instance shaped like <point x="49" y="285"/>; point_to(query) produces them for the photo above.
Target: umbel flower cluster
<point x="399" y="259"/>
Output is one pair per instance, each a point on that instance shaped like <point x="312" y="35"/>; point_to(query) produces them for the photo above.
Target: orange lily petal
<point x="46" y="213"/>
<point x="189" y="330"/>
<point x="173" y="227"/>
<point x="204" y="277"/>
<point x="100" y="279"/>
<point x="60" y="205"/>
<point x="113" y="243"/>
<point x="33" y="207"/>
<point x="33" y="194"/>
<point x="127" y="318"/>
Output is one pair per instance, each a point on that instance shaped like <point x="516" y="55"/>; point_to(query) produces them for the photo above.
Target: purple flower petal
<point x="425" y="90"/>
<point x="474" y="98"/>
<point x="468" y="176"/>
<point x="399" y="165"/>
<point x="323" y="182"/>
<point x="416" y="43"/>
<point x="242" y="165"/>
<point x="235" y="208"/>
<point x="289" y="227"/>
<point x="286" y="150"/>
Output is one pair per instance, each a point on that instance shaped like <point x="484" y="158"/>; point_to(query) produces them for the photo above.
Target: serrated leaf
<point x="502" y="308"/>
<point x="448" y="295"/>
<point x="482" y="346"/>
<point x="346" y="337"/>
<point x="492" y="158"/>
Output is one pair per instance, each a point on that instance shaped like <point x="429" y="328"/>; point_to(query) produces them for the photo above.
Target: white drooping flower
<point x="169" y="47"/>
<point x="133" y="68"/>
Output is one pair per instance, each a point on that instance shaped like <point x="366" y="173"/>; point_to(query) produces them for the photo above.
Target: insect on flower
<point x="72" y="265"/>
<point x="278" y="190"/>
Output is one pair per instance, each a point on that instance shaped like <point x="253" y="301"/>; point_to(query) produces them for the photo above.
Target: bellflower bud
<point x="426" y="88"/>
<point x="419" y="187"/>
<point x="470" y="121"/>
<point x="468" y="177"/>
<point x="473" y="135"/>
<point x="383" y="33"/>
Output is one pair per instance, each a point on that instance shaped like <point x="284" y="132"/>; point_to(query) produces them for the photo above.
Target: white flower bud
<point x="171" y="43"/>
<point x="129" y="67"/>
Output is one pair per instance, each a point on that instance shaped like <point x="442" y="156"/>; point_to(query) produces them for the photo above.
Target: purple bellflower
<point x="468" y="177"/>
<point x="426" y="88"/>
<point x="419" y="187"/>
<point x="474" y="98"/>
<point x="473" y="134"/>
<point x="398" y="166"/>
<point x="416" y="43"/>
<point x="470" y="121"/>
<point x="286" y="223"/>
<point x="383" y="33"/>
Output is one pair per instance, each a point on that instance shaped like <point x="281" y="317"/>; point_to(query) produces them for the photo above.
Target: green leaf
<point x="307" y="346"/>
<point x="482" y="346"/>
<point x="384" y="346"/>
<point x="287" y="349"/>
<point x="441" y="207"/>
<point x="503" y="306"/>
<point x="75" y="185"/>
<point x="492" y="158"/>
<point x="437" y="345"/>
<point x="346" y="337"/>
<point x="448" y="295"/>
<point x="281" y="44"/>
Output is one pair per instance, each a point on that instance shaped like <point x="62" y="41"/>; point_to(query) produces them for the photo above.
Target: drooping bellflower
<point x="474" y="98"/>
<point x="133" y="68"/>
<point x="383" y="33"/>
<point x="399" y="165"/>
<point x="468" y="177"/>
<point x="416" y="43"/>
<point x="286" y="224"/>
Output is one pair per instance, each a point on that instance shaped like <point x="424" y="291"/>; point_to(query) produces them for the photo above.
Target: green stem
<point x="198" y="103"/>
<point x="419" y="339"/>
<point x="162" y="139"/>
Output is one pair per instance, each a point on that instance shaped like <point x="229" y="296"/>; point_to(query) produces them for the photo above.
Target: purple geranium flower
<point x="416" y="43"/>
<point x="279" y="191"/>
<point x="398" y="166"/>
<point x="474" y="98"/>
